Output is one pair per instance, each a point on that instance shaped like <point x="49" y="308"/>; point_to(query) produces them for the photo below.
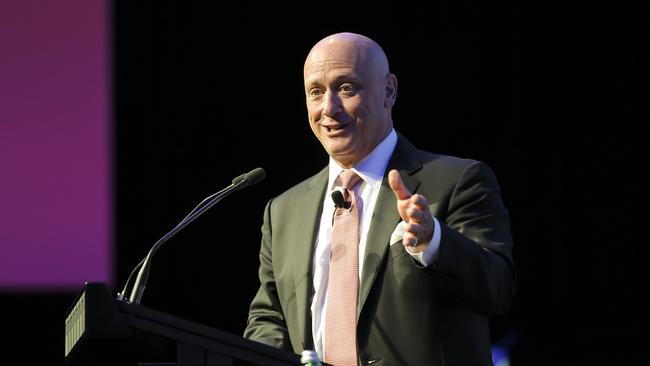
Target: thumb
<point x="396" y="184"/>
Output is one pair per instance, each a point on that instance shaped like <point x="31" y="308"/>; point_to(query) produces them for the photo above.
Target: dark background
<point x="552" y="96"/>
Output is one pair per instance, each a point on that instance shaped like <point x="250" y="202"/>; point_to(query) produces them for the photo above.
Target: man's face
<point x="346" y="101"/>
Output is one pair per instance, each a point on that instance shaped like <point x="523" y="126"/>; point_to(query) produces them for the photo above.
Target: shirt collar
<point x="371" y="168"/>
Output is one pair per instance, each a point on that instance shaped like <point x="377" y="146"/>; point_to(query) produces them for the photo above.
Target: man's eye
<point x="348" y="88"/>
<point x="315" y="92"/>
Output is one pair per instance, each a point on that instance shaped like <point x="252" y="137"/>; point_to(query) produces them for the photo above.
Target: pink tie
<point x="343" y="285"/>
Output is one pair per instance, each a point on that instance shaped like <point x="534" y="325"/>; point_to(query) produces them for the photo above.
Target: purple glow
<point x="54" y="144"/>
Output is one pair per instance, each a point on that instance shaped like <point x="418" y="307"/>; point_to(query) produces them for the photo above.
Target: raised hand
<point x="414" y="210"/>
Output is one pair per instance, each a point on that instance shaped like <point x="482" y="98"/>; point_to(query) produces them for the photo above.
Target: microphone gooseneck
<point x="244" y="180"/>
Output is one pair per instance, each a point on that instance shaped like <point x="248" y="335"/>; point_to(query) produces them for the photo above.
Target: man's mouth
<point x="335" y="129"/>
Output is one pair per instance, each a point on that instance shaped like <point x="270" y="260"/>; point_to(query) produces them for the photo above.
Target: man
<point x="431" y="245"/>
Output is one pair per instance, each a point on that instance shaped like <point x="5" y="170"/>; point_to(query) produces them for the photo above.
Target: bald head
<point x="350" y="93"/>
<point x="350" y="47"/>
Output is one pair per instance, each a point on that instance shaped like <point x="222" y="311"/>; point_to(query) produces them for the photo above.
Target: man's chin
<point x="345" y="158"/>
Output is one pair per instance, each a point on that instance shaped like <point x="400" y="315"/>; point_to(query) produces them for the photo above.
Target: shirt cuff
<point x="430" y="256"/>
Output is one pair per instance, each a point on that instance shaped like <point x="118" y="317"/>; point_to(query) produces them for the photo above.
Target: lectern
<point x="100" y="330"/>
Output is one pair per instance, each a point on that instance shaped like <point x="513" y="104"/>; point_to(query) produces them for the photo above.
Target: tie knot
<point x="348" y="178"/>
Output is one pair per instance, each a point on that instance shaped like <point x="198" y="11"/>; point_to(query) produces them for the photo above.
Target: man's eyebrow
<point x="311" y="82"/>
<point x="337" y="80"/>
<point x="346" y="78"/>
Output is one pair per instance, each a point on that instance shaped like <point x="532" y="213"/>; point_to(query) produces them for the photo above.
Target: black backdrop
<point x="551" y="96"/>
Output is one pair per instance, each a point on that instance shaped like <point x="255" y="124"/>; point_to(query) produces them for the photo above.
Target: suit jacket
<point x="407" y="314"/>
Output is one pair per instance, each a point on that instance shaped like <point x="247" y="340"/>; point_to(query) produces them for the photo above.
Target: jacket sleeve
<point x="475" y="255"/>
<point x="266" y="322"/>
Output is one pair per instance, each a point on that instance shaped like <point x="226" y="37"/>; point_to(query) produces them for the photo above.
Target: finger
<point x="424" y="231"/>
<point x="413" y="229"/>
<point x="416" y="214"/>
<point x="396" y="184"/>
<point x="409" y="239"/>
<point x="420" y="201"/>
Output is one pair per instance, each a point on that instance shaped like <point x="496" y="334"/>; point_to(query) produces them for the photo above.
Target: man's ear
<point x="391" y="91"/>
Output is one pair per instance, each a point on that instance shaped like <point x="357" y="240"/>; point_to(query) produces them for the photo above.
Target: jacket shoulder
<point x="449" y="163"/>
<point x="449" y="170"/>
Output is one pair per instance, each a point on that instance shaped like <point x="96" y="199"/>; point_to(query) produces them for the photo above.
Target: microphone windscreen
<point x="337" y="197"/>
<point x="254" y="176"/>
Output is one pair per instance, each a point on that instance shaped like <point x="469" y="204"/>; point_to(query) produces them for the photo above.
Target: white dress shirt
<point x="371" y="170"/>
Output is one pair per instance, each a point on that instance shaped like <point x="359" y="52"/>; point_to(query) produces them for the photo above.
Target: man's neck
<point x="372" y="166"/>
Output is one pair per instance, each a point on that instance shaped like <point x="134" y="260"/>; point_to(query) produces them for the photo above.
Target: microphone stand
<point x="143" y="275"/>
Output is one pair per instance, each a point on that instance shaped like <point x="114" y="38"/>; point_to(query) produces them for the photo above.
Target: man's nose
<point x="332" y="104"/>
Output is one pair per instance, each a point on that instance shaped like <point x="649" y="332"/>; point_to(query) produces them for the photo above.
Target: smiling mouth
<point x="335" y="129"/>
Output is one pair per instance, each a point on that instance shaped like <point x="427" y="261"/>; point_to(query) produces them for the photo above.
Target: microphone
<point x="250" y="178"/>
<point x="240" y="182"/>
<point x="339" y="200"/>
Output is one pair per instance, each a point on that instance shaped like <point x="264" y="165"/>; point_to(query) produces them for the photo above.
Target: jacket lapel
<point x="308" y="217"/>
<point x="385" y="217"/>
